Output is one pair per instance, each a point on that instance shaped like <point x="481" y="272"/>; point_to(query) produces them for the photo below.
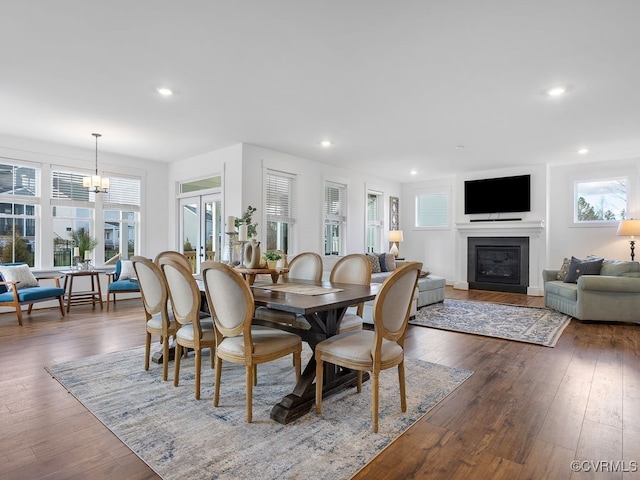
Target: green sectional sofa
<point x="612" y="294"/>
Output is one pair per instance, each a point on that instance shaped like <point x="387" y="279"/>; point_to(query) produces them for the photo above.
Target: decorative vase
<point x="271" y="264"/>
<point x="252" y="256"/>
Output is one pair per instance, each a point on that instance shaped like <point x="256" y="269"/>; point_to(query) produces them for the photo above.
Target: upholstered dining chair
<point x="175" y="256"/>
<point x="232" y="306"/>
<point x="155" y="297"/>
<point x="376" y="350"/>
<point x="195" y="332"/>
<point x="354" y="269"/>
<point x="304" y="266"/>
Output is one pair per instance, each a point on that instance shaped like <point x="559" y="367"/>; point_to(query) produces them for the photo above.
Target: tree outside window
<point x="601" y="200"/>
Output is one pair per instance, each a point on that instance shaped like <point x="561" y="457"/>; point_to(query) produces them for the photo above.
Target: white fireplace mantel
<point x="531" y="228"/>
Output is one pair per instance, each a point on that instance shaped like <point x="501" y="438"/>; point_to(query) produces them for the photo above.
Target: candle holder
<point x="232" y="241"/>
<point x="75" y="263"/>
<point x="242" y="245"/>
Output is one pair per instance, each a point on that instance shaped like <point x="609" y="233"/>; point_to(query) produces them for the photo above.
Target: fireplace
<point x="498" y="263"/>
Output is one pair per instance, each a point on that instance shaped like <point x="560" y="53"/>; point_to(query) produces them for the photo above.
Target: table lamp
<point x="630" y="228"/>
<point x="395" y="237"/>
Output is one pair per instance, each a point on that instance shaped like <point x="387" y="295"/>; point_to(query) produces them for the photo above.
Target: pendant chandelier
<point x="95" y="183"/>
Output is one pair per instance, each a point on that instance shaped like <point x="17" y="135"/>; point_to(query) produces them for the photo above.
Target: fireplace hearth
<point x="498" y="264"/>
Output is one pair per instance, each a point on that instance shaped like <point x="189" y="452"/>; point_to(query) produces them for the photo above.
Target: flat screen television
<point x="498" y="195"/>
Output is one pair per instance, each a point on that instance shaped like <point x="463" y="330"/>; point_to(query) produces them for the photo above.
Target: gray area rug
<point x="541" y="326"/>
<point x="183" y="438"/>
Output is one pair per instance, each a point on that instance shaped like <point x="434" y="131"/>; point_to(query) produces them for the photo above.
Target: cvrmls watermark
<point x="604" y="466"/>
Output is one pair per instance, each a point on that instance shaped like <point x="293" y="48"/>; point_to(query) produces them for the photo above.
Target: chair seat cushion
<point x="265" y="341"/>
<point x="124" y="286"/>
<point x="156" y="320"/>
<point x="356" y="347"/>
<point x="185" y="332"/>
<point x="350" y="322"/>
<point x="33" y="294"/>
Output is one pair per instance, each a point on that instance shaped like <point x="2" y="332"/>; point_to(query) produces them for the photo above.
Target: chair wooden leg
<point x="147" y="351"/>
<point x="198" y="362"/>
<point x="165" y="359"/>
<point x="216" y="390"/>
<point x="249" y="380"/>
<point x="178" y="354"/>
<point x="297" y="361"/>
<point x="359" y="384"/>
<point x="319" y="367"/>
<point x="374" y="403"/>
<point x="29" y="308"/>
<point x="403" y="393"/>
<point x="108" y="298"/>
<point x="19" y="315"/>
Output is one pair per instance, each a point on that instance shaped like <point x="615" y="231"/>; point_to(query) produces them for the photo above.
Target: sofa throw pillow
<point x="126" y="270"/>
<point x="19" y="273"/>
<point x="374" y="261"/>
<point x="578" y="267"/>
<point x="562" y="273"/>
<point x="382" y="258"/>
<point x="391" y="262"/>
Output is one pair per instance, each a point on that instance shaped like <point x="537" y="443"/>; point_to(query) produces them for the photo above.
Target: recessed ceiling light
<point x="459" y="147"/>
<point x="413" y="172"/>
<point x="583" y="151"/>
<point x="165" y="92"/>
<point x="325" y="143"/>
<point x="556" y="91"/>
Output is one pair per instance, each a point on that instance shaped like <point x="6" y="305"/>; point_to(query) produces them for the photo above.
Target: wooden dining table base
<point x="303" y="397"/>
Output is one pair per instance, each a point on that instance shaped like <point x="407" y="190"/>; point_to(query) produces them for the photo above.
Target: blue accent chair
<point x="15" y="298"/>
<point x="116" y="285"/>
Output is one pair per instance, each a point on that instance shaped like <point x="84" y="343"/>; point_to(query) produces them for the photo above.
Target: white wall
<point x="440" y="249"/>
<point x="310" y="195"/>
<point x="564" y="237"/>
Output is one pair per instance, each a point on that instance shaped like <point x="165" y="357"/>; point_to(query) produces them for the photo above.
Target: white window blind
<point x="67" y="187"/>
<point x="432" y="210"/>
<point x="334" y="202"/>
<point x="280" y="197"/>
<point x="124" y="193"/>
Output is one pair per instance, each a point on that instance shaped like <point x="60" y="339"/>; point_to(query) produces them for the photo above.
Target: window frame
<point x="600" y="222"/>
<point x="446" y="193"/>
<point x="375" y="225"/>
<point x="282" y="214"/>
<point x="338" y="219"/>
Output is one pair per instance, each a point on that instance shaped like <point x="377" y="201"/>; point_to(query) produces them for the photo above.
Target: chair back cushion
<point x="152" y="285"/>
<point x="126" y="270"/>
<point x="354" y="268"/>
<point x="183" y="292"/>
<point x="306" y="266"/>
<point x="230" y="299"/>
<point x="393" y="302"/>
<point x="18" y="273"/>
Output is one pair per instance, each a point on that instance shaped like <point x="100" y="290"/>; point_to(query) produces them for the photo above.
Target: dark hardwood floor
<point x="526" y="413"/>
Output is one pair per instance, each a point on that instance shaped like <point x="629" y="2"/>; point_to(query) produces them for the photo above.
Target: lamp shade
<point x="395" y="236"/>
<point x="629" y="228"/>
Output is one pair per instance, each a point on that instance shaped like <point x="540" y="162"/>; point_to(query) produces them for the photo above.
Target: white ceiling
<point x="396" y="85"/>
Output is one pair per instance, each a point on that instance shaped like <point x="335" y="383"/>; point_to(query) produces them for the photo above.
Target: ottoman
<point x="431" y="290"/>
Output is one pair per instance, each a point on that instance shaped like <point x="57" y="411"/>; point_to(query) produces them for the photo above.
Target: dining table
<point x="323" y="305"/>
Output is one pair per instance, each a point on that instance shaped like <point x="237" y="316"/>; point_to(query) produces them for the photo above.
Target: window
<point x="72" y="208"/>
<point x="279" y="208"/>
<point x="335" y="218"/>
<point x="432" y="210"/>
<point x="121" y="217"/>
<point x="602" y="200"/>
<point x="19" y="203"/>
<point x="374" y="222"/>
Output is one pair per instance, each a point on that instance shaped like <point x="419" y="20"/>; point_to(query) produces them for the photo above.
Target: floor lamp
<point x="630" y="228"/>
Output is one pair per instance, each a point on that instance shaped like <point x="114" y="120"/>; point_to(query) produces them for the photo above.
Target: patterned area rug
<point x="180" y="437"/>
<point x="541" y="326"/>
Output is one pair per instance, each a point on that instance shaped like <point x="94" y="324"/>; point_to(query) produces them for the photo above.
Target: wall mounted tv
<point x="498" y="195"/>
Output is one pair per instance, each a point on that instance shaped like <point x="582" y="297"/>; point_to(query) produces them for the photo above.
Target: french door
<point x="201" y="228"/>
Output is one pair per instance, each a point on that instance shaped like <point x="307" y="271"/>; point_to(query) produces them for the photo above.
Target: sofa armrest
<point x="549" y="275"/>
<point x="609" y="283"/>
